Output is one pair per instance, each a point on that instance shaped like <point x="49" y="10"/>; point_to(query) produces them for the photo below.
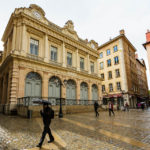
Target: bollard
<point x="29" y="114"/>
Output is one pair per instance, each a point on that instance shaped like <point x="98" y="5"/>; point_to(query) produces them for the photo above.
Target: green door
<point x="33" y="85"/>
<point x="71" y="92"/>
<point x="94" y="92"/>
<point x="84" y="91"/>
<point x="53" y="90"/>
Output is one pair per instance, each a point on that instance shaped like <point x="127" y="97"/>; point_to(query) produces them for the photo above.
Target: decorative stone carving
<point x="69" y="30"/>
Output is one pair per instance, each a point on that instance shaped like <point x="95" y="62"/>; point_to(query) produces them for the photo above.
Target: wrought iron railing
<point x="28" y="101"/>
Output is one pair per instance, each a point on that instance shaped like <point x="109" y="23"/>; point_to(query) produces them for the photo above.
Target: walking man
<point x="111" y="108"/>
<point x="95" y="108"/>
<point x="47" y="114"/>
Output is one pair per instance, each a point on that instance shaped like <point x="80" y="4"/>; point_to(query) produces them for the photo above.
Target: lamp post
<point x="64" y="83"/>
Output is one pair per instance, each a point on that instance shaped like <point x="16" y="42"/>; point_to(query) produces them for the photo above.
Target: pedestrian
<point x="95" y="108"/>
<point x="127" y="106"/>
<point x="47" y="114"/>
<point x="142" y="106"/>
<point x="111" y="109"/>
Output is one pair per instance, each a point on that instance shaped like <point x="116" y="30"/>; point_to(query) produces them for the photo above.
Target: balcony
<point x="84" y="71"/>
<point x="35" y="57"/>
<point x="55" y="63"/>
<point x="71" y="67"/>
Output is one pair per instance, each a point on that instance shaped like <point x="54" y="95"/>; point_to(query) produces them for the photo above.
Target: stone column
<point x="78" y="91"/>
<point x="22" y="78"/>
<point x="14" y="38"/>
<point x="96" y="71"/>
<point x="23" y="42"/>
<point x="46" y="50"/>
<point x="4" y="90"/>
<point x="88" y="64"/>
<point x="64" y="55"/>
<point x="8" y="47"/>
<point x="77" y="60"/>
<point x="90" y="91"/>
<point x="45" y="85"/>
<point x="14" y="84"/>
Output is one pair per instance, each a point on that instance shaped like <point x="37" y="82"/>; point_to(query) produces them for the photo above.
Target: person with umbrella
<point x="47" y="114"/>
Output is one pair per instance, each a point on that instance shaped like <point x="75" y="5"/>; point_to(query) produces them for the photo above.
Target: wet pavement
<point x="124" y="131"/>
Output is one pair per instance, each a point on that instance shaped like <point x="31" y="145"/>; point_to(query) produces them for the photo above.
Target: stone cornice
<point x="52" y="39"/>
<point x="68" y="46"/>
<point x="18" y="57"/>
<point x="35" y="32"/>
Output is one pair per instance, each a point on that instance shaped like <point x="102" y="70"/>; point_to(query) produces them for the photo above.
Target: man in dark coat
<point x="111" y="109"/>
<point x="95" y="108"/>
<point x="47" y="114"/>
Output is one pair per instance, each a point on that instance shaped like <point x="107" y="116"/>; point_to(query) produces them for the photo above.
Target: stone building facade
<point x="142" y="91"/>
<point x="37" y="52"/>
<point x="117" y="67"/>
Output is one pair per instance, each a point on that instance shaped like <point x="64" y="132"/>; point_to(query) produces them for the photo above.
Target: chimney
<point x="148" y="36"/>
<point x="122" y="32"/>
<point x="136" y="56"/>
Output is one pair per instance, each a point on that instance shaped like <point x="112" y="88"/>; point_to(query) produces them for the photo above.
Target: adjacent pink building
<point x="147" y="46"/>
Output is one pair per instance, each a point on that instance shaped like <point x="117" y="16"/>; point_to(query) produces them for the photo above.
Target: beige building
<point x="117" y="67"/>
<point x="37" y="53"/>
<point x="142" y="91"/>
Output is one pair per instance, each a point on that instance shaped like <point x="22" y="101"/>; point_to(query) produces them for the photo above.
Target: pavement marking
<point x="59" y="142"/>
<point x="110" y="134"/>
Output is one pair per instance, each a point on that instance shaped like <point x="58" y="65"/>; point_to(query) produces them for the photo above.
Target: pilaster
<point x="23" y="42"/>
<point x="14" y="38"/>
<point x="88" y="64"/>
<point x="77" y="59"/>
<point x="64" y="54"/>
<point x="90" y="91"/>
<point x="45" y="85"/>
<point x="46" y="54"/>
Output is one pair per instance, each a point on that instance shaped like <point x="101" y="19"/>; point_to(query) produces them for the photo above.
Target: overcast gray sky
<point x="93" y="19"/>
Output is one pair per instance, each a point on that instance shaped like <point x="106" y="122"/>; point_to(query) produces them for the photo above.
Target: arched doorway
<point x="33" y="85"/>
<point x="94" y="92"/>
<point x="71" y="91"/>
<point x="53" y="90"/>
<point x="83" y="91"/>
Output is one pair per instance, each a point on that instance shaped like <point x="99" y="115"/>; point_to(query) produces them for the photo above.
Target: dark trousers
<point x="96" y="112"/>
<point x="111" y="110"/>
<point x="45" y="131"/>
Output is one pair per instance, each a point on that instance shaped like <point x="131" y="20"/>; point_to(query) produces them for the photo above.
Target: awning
<point x="112" y="95"/>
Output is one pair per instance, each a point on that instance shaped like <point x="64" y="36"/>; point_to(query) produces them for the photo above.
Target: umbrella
<point x="142" y="102"/>
<point x="40" y="101"/>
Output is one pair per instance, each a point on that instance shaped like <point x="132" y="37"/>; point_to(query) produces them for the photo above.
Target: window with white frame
<point x="118" y="86"/>
<point x="102" y="65"/>
<point x="116" y="60"/>
<point x="110" y="87"/>
<point x="81" y="63"/>
<point x="92" y="66"/>
<point x="108" y="52"/>
<point x="109" y="62"/>
<point x="53" y="53"/>
<point x="34" y="46"/>
<point x="115" y="48"/>
<point x="69" y="59"/>
<point x="103" y="88"/>
<point x="109" y="74"/>
<point x="101" y="55"/>
<point x="102" y="76"/>
<point x="117" y="73"/>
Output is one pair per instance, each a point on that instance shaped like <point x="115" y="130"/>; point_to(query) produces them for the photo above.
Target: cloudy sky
<point x="93" y="19"/>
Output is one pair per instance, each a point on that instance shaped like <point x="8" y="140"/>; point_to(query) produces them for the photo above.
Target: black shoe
<point x="39" y="146"/>
<point x="51" y="141"/>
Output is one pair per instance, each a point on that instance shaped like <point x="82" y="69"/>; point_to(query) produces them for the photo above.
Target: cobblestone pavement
<point x="124" y="131"/>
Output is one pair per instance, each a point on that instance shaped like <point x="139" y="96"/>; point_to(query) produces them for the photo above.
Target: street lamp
<point x="58" y="82"/>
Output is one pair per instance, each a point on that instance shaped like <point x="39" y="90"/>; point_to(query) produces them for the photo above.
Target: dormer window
<point x="93" y="46"/>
